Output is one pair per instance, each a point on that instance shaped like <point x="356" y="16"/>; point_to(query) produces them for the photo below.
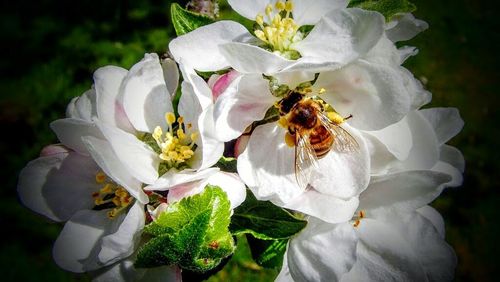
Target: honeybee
<point x="313" y="133"/>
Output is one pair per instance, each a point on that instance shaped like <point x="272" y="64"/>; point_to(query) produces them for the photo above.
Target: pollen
<point x="176" y="146"/>
<point x="289" y="140"/>
<point x="110" y="196"/>
<point x="357" y="218"/>
<point x="278" y="29"/>
<point x="335" y="118"/>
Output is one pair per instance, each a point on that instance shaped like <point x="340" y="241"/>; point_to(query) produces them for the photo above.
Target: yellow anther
<point x="335" y="118"/>
<point x="107" y="189"/>
<point x="259" y="19"/>
<point x="170" y="118"/>
<point x="180" y="119"/>
<point x="269" y="9"/>
<point x="280" y="6"/>
<point x="361" y="214"/>
<point x="321" y="91"/>
<point x="117" y="201"/>
<point x="290" y="139"/>
<point x="194" y="136"/>
<point x="356" y="223"/>
<point x="181" y="134"/>
<point x="112" y="213"/>
<point x="100" y="177"/>
<point x="260" y="35"/>
<point x="189" y="125"/>
<point x="289" y="6"/>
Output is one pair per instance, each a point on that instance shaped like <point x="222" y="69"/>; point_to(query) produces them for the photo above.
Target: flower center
<point x="281" y="31"/>
<point x="110" y="196"/>
<point x="176" y="147"/>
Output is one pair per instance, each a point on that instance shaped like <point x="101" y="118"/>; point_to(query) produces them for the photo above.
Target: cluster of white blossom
<point x="328" y="124"/>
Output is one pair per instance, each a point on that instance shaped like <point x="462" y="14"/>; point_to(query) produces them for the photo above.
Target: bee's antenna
<point x="349" y="117"/>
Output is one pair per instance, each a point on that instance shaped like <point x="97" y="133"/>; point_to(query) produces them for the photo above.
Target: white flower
<point x="125" y="271"/>
<point x="338" y="37"/>
<point x="390" y="247"/>
<point x="394" y="235"/>
<point x="103" y="220"/>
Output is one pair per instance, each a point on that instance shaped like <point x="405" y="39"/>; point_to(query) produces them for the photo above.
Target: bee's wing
<point x="306" y="162"/>
<point x="343" y="141"/>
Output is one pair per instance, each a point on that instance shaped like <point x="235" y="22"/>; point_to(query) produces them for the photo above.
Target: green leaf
<point x="264" y="220"/>
<point x="185" y="21"/>
<point x="192" y="233"/>
<point x="227" y="164"/>
<point x="267" y="253"/>
<point x="388" y="8"/>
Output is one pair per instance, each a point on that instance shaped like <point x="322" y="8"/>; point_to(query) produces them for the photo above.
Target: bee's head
<point x="286" y="104"/>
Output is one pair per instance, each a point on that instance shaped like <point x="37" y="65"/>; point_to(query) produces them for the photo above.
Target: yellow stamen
<point x="170" y="118"/>
<point x="100" y="177"/>
<point x="335" y="118"/>
<point x="280" y="6"/>
<point x="321" y="91"/>
<point x="111" y="193"/>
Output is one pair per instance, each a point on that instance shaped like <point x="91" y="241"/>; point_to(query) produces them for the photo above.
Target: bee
<point x="313" y="133"/>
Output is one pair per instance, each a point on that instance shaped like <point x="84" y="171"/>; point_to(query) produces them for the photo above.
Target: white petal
<point x="284" y="275"/>
<point x="245" y="101"/>
<point x="74" y="248"/>
<point x="381" y="159"/>
<point x="170" y="75"/>
<point x="145" y="95"/>
<point x="307" y="12"/>
<point x="200" y="48"/>
<point x="344" y="175"/>
<point x="445" y="121"/>
<point x="294" y="78"/>
<point x="322" y="252"/>
<point x="375" y="94"/>
<point x="196" y="85"/>
<point x="434" y="254"/>
<point x="434" y="217"/>
<point x="342" y="35"/>
<point x="107" y="81"/>
<point x="139" y="159"/>
<point x="325" y="207"/>
<point x="405" y="28"/>
<point x="267" y="166"/>
<point x="453" y="156"/>
<point x="102" y="152"/>
<point x="250" y="11"/>
<point x="456" y="175"/>
<point x="70" y="132"/>
<point x="231" y="184"/>
<point x="83" y="107"/>
<point x="125" y="271"/>
<point x="397" y="138"/>
<point x="174" y="178"/>
<point x="120" y="244"/>
<point x="210" y="148"/>
<point x="383" y="255"/>
<point x="403" y="191"/>
<point x="246" y="58"/>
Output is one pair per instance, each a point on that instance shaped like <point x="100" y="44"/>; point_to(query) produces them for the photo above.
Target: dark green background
<point x="49" y="50"/>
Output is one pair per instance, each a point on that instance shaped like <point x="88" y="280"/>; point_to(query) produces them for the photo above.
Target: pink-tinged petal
<point x="184" y="190"/>
<point x="103" y="154"/>
<point x="446" y="122"/>
<point x="240" y="145"/>
<point x="342" y="36"/>
<point x="83" y="107"/>
<point x="173" y="178"/>
<point x="267" y="166"/>
<point x="222" y="83"/>
<point x="200" y="48"/>
<point x="246" y="58"/>
<point x="307" y="12"/>
<point x="322" y="251"/>
<point x="120" y="244"/>
<point x="70" y="132"/>
<point x="139" y="159"/>
<point x="383" y="255"/>
<point x="74" y="249"/>
<point x="145" y="95"/>
<point x="53" y="150"/>
<point x="245" y="101"/>
<point x="325" y="207"/>
<point x="344" y="175"/>
<point x="107" y="81"/>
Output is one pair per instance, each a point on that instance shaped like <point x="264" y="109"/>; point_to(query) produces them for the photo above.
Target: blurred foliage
<point x="51" y="48"/>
